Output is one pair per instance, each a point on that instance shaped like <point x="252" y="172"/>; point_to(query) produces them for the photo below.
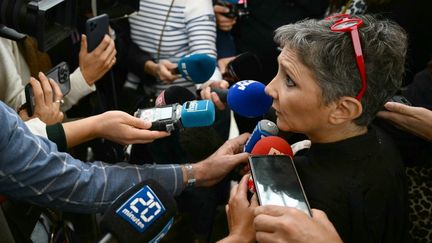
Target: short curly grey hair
<point x="330" y="56"/>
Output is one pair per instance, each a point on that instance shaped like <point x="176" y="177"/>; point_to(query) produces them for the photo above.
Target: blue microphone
<point x="195" y="113"/>
<point x="196" y="67"/>
<point x="144" y="213"/>
<point x="248" y="98"/>
<point x="264" y="128"/>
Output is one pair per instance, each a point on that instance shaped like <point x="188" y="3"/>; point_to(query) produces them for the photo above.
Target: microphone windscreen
<point x="245" y="66"/>
<point x="174" y="94"/>
<point x="264" y="128"/>
<point x="197" y="113"/>
<point x="272" y="145"/>
<point x="143" y="213"/>
<point x="197" y="67"/>
<point x="247" y="98"/>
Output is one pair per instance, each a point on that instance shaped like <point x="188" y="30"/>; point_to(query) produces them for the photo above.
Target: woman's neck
<point x="337" y="133"/>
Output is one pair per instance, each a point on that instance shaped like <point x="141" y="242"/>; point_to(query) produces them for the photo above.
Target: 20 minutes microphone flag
<point x="248" y="98"/>
<point x="144" y="213"/>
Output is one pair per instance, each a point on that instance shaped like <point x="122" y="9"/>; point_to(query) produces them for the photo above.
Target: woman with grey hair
<point x="334" y="76"/>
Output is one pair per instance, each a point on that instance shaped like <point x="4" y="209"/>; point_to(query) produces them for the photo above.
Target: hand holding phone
<point x="60" y="74"/>
<point x="44" y="98"/>
<point x="277" y="183"/>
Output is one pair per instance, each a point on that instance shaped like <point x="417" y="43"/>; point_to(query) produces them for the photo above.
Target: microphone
<point x="272" y="145"/>
<point x="196" y="67"/>
<point x="144" y="213"/>
<point x="195" y="113"/>
<point x="174" y="94"/>
<point x="248" y="98"/>
<point x="264" y="128"/>
<point x="245" y="66"/>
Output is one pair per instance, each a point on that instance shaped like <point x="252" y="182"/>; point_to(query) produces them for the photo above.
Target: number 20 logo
<point x="150" y="203"/>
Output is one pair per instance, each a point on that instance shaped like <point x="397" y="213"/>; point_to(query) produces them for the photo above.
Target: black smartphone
<point x="60" y="74"/>
<point x="96" y="29"/>
<point x="277" y="183"/>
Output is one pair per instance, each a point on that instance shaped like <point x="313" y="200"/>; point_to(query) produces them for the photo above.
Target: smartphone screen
<point x="277" y="183"/>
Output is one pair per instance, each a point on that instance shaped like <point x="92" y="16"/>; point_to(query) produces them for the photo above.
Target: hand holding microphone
<point x="144" y="213"/>
<point x="161" y="70"/>
<point x="215" y="90"/>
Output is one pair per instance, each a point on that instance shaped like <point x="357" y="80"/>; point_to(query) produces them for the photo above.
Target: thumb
<point x="224" y="84"/>
<point x="254" y="201"/>
<point x="139" y="123"/>
<point x="83" y="43"/>
<point x="397" y="107"/>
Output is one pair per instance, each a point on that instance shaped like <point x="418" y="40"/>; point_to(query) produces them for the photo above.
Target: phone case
<point x="30" y="103"/>
<point x="60" y="74"/>
<point x="277" y="183"/>
<point x="96" y="28"/>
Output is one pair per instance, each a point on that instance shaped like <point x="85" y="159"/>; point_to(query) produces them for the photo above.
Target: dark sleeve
<point x="136" y="59"/>
<point x="57" y="135"/>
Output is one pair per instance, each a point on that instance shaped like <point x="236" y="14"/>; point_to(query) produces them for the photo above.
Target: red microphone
<point x="271" y="145"/>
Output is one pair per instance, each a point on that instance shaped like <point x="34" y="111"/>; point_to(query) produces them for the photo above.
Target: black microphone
<point x="174" y="94"/>
<point x="246" y="66"/>
<point x="144" y="213"/>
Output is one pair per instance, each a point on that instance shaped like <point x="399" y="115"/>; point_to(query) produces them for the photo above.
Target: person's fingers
<point x="263" y="237"/>
<point x="83" y="44"/>
<point x="58" y="95"/>
<point x="46" y="87"/>
<point x="242" y="186"/>
<point x="233" y="192"/>
<point x="220" y="9"/>
<point x="37" y="91"/>
<point x="102" y="46"/>
<point x="398" y="108"/>
<point x="271" y="210"/>
<point x="264" y="223"/>
<point x="319" y="215"/>
<point x="217" y="101"/>
<point x="146" y="136"/>
<point x="137" y="122"/>
<point x="109" y="53"/>
<point x="227" y="212"/>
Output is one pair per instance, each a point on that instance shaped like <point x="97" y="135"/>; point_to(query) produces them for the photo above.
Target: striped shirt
<point x="190" y="28"/>
<point x="31" y="169"/>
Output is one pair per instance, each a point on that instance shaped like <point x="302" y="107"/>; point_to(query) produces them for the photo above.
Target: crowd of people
<point x="330" y="67"/>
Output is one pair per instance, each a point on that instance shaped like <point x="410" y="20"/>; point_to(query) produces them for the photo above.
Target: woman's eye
<point x="289" y="82"/>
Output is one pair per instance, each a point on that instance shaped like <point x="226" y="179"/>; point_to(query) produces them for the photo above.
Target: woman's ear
<point x="346" y="109"/>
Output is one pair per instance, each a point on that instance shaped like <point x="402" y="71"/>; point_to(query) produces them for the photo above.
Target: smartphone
<point x="277" y="183"/>
<point x="60" y="74"/>
<point x="96" y="29"/>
